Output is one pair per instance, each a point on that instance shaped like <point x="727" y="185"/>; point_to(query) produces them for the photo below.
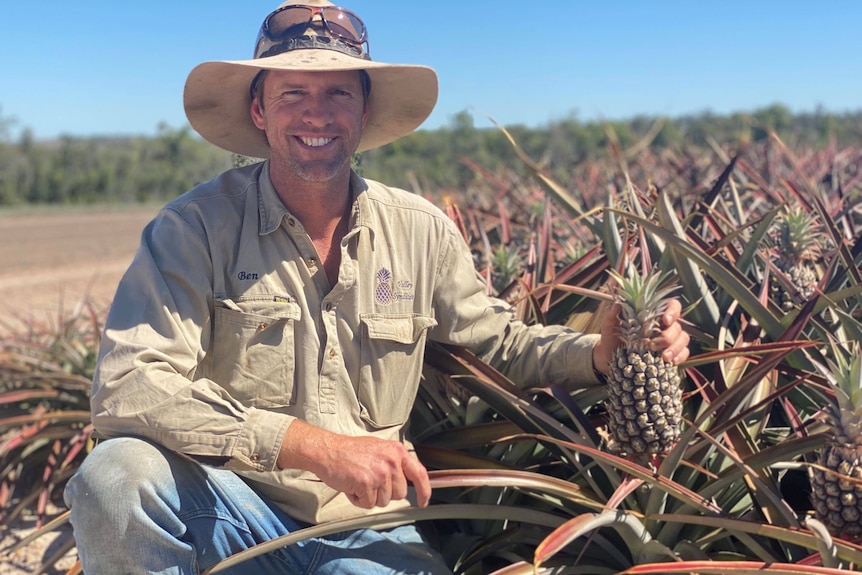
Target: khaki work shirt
<point x="225" y="329"/>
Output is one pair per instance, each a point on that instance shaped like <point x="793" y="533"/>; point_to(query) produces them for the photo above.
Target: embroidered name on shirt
<point x="246" y="276"/>
<point x="384" y="293"/>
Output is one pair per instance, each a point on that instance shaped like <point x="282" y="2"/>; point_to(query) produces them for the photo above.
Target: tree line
<point x="86" y="170"/>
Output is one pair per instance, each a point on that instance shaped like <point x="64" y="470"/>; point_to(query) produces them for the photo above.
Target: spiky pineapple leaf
<point x="629" y="528"/>
<point x="740" y="292"/>
<point x="706" y="313"/>
<point x="845" y="550"/>
<point x="730" y="568"/>
<point x="388" y="520"/>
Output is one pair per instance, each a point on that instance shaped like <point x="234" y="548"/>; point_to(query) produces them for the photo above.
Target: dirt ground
<point x="51" y="260"/>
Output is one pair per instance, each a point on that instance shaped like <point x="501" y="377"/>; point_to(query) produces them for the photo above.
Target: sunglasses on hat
<point x="292" y="21"/>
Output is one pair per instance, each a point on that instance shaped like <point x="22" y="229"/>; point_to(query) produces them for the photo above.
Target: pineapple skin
<point x="836" y="484"/>
<point x="644" y="403"/>
<point x="837" y="501"/>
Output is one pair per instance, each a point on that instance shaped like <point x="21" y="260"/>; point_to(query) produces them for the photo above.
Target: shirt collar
<point x="272" y="210"/>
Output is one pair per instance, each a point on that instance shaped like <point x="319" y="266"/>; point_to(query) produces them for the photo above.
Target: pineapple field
<point x="747" y="458"/>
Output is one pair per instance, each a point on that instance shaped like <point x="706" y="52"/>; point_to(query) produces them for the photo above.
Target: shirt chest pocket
<point x="392" y="351"/>
<point x="254" y="351"/>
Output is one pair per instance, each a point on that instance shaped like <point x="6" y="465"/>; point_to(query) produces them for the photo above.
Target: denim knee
<point x="116" y="469"/>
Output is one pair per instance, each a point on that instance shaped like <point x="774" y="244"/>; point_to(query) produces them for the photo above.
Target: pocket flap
<point x="252" y="312"/>
<point x="397" y="328"/>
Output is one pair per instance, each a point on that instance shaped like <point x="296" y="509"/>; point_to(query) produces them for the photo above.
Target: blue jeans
<point x="139" y="508"/>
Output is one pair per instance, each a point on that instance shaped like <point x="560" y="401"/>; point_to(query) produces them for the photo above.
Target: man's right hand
<point x="370" y="471"/>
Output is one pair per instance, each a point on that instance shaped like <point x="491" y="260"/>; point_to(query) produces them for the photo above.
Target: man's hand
<point x="370" y="471"/>
<point x="672" y="341"/>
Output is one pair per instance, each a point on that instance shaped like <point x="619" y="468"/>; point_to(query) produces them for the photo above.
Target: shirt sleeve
<point x="157" y="332"/>
<point x="528" y="355"/>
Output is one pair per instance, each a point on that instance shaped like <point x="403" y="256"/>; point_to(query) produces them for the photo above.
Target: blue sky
<point x="113" y="68"/>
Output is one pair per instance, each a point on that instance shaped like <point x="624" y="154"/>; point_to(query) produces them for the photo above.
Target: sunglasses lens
<point x="288" y="22"/>
<point x="344" y="24"/>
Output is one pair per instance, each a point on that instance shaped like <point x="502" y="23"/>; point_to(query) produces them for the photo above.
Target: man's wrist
<point x="597" y="359"/>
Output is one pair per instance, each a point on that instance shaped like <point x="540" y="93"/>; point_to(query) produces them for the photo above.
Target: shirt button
<point x="254" y="457"/>
<point x="332" y="353"/>
<point x="261" y="326"/>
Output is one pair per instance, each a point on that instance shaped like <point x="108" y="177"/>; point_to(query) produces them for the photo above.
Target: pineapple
<point x="798" y="246"/>
<point x="837" y="493"/>
<point x="644" y="393"/>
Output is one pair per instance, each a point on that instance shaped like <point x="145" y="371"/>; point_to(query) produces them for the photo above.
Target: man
<point x="264" y="349"/>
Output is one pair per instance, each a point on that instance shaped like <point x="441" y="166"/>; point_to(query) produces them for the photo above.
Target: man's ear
<point x="256" y="113"/>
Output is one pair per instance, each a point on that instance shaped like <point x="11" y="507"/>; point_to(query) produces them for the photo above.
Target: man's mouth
<point x="314" y="142"/>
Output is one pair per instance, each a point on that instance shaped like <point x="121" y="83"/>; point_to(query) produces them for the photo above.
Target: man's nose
<point x="318" y="110"/>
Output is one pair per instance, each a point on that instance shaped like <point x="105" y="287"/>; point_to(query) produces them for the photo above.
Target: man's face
<point x="313" y="121"/>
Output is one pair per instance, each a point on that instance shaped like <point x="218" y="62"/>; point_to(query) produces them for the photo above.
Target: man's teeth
<point x="315" y="142"/>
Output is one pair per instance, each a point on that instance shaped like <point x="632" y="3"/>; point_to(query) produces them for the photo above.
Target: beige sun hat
<point x="217" y="94"/>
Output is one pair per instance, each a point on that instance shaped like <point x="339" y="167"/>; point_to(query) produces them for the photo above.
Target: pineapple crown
<point x="844" y="374"/>
<point x="642" y="300"/>
<point x="797" y="235"/>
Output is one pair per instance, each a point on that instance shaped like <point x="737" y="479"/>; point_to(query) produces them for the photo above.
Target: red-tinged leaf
<point x="23" y="436"/>
<point x="519" y="568"/>
<point x="846" y="550"/>
<point x="389" y="519"/>
<point x="630" y="529"/>
<point x="625" y="489"/>
<point x="730" y="568"/>
<point x="671" y="487"/>
<point x="21" y="395"/>
<point x="510" y="478"/>
<point x="505" y="224"/>
<point x="455" y="215"/>
<point x="750" y="351"/>
<point x="77" y="445"/>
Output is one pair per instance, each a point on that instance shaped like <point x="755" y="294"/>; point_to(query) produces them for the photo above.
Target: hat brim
<point x="217" y="98"/>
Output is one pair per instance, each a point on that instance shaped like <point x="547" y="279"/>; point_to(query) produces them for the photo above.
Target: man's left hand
<point x="672" y="341"/>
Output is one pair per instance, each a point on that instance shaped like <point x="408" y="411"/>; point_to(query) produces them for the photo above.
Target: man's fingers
<point x="672" y="313"/>
<point x="364" y="500"/>
<point x="418" y="475"/>
<point x="399" y="483"/>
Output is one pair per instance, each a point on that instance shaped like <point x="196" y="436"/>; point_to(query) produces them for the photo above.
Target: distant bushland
<point x="87" y="170"/>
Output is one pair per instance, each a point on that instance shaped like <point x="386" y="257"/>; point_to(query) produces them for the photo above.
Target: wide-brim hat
<point x="217" y="95"/>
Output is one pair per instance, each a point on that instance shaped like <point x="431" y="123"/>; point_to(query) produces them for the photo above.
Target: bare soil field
<point x="52" y="260"/>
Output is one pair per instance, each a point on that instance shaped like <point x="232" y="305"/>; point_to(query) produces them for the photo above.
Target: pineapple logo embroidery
<point x="383" y="289"/>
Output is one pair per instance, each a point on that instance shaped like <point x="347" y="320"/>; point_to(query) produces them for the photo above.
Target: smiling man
<point x="264" y="349"/>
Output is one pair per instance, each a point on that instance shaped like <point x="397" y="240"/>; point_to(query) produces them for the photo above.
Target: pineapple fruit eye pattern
<point x="644" y="391"/>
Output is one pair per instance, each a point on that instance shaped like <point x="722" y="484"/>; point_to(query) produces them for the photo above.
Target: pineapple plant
<point x="644" y="393"/>
<point x="798" y="246"/>
<point x="836" y="483"/>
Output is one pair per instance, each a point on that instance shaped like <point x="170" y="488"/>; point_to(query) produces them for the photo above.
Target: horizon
<point x="695" y="115"/>
<point x="100" y="69"/>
